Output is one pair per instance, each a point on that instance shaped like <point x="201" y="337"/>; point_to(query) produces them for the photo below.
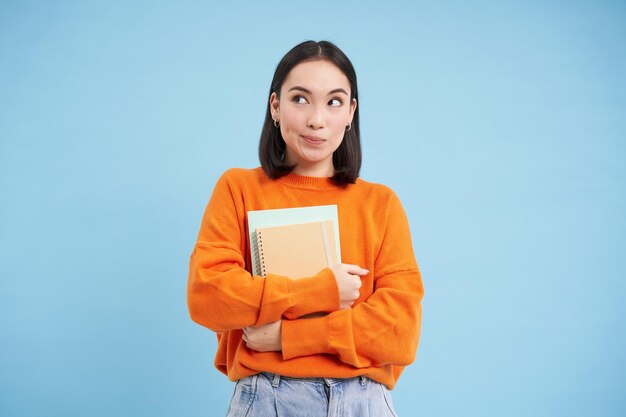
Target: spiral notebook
<point x="296" y="250"/>
<point x="269" y="219"/>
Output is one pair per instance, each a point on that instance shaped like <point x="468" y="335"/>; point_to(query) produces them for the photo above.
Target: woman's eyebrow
<point x="338" y="90"/>
<point x="304" y="90"/>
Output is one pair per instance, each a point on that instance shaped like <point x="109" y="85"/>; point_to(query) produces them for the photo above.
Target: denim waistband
<point x="275" y="379"/>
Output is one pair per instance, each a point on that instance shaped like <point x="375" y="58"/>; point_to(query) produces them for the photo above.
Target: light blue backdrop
<point x="501" y="125"/>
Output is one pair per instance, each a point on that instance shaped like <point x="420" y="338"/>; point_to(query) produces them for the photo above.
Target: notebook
<point x="282" y="217"/>
<point x="296" y="250"/>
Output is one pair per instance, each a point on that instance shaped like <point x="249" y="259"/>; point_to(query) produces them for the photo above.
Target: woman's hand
<point x="349" y="281"/>
<point x="265" y="338"/>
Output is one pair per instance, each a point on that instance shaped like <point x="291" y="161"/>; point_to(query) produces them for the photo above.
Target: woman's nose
<point x="316" y="118"/>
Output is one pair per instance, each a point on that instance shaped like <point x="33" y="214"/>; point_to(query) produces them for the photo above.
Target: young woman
<point x="343" y="360"/>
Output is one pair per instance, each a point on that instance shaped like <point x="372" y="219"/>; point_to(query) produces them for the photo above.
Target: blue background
<point x="501" y="126"/>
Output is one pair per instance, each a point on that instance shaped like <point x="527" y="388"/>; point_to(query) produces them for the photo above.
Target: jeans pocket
<point x="388" y="401"/>
<point x="243" y="396"/>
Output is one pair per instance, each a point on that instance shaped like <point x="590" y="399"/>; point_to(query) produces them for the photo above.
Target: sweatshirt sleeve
<point x="382" y="330"/>
<point x="222" y="295"/>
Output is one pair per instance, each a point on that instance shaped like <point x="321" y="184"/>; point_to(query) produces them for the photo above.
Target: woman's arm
<point x="382" y="330"/>
<point x="267" y="337"/>
<point x="222" y="295"/>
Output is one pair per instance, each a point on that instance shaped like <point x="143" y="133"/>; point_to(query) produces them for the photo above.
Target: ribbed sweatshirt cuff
<point x="318" y="293"/>
<point x="305" y="337"/>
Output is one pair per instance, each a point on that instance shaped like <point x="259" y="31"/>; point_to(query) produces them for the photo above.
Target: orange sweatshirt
<point x="377" y="337"/>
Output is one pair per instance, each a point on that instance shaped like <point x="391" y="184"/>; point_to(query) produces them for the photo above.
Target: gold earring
<point x="348" y="127"/>
<point x="276" y="124"/>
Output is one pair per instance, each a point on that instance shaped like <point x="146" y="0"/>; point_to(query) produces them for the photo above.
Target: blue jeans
<point x="267" y="395"/>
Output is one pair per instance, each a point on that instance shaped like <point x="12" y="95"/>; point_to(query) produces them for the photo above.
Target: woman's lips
<point x="313" y="140"/>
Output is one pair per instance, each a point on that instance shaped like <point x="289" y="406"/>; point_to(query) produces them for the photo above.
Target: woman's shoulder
<point x="243" y="175"/>
<point x="374" y="188"/>
<point x="236" y="180"/>
<point x="380" y="197"/>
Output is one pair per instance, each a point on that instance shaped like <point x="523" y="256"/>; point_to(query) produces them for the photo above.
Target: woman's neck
<point x="320" y="169"/>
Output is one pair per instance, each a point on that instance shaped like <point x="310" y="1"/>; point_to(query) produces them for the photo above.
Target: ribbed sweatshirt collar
<point x="308" y="183"/>
<point x="304" y="182"/>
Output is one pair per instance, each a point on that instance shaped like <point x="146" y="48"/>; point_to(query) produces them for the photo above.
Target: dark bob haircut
<point x="347" y="157"/>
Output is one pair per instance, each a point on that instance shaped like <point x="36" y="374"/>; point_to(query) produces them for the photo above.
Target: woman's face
<point x="314" y="110"/>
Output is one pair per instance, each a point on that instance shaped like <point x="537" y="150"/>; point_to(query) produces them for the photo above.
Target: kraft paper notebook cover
<point x="282" y="217"/>
<point x="297" y="250"/>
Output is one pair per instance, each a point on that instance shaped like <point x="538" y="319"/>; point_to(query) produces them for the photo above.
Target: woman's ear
<point x="274" y="105"/>
<point x="352" y="109"/>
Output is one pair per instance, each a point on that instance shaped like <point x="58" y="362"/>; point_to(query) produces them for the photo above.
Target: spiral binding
<point x="259" y="261"/>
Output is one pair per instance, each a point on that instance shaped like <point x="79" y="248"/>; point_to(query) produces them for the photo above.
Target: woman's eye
<point x="335" y="102"/>
<point x="299" y="100"/>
